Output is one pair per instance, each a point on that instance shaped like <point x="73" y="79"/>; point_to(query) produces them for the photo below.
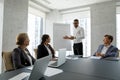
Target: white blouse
<point x="30" y="59"/>
<point x="49" y="51"/>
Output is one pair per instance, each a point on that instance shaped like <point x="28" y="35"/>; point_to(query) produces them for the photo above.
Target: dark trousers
<point x="78" y="49"/>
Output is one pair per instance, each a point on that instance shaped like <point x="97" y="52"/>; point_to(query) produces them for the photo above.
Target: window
<point x="35" y="29"/>
<point x="85" y="23"/>
<point x="118" y="30"/>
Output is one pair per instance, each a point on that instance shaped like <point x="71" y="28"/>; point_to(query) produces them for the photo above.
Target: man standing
<point x="77" y="37"/>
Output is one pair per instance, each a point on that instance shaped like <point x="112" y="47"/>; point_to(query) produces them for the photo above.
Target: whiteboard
<point x="60" y="30"/>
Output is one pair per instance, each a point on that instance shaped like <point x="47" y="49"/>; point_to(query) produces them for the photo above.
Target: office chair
<point x="118" y="53"/>
<point x="35" y="50"/>
<point x="7" y="59"/>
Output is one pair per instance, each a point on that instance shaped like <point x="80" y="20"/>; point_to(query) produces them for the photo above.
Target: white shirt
<point x="78" y="34"/>
<point x="104" y="50"/>
<point x="30" y="59"/>
<point x="49" y="51"/>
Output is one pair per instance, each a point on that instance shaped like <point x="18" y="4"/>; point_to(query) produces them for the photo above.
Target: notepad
<point x="20" y="76"/>
<point x="95" y="57"/>
<point x="30" y="68"/>
<point x="52" y="71"/>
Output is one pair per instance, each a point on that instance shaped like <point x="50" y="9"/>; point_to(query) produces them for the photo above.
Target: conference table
<point x="79" y="69"/>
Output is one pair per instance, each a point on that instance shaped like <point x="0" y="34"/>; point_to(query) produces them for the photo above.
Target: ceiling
<point x="66" y="4"/>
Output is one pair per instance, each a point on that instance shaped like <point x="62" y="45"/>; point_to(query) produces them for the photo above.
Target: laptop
<point x="39" y="68"/>
<point x="61" y="59"/>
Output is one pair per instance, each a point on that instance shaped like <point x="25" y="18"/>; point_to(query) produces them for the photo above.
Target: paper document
<point x="73" y="57"/>
<point x="30" y="68"/>
<point x="52" y="71"/>
<point x="95" y="57"/>
<point x="20" y="76"/>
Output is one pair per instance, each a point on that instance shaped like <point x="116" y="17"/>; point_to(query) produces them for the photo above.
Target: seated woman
<point x="45" y="49"/>
<point x="21" y="56"/>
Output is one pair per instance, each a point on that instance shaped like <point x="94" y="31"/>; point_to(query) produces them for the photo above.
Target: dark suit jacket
<point x="111" y="52"/>
<point x="42" y="51"/>
<point x="20" y="59"/>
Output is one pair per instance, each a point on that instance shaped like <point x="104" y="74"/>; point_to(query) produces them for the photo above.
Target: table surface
<point x="80" y="69"/>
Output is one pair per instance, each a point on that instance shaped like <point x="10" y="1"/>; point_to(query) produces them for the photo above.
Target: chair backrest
<point x="7" y="58"/>
<point x="118" y="53"/>
<point x="35" y="50"/>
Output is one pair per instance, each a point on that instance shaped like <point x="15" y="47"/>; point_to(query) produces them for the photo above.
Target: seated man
<point x="106" y="49"/>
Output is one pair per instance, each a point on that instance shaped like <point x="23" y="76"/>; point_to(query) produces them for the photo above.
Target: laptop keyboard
<point x="55" y="64"/>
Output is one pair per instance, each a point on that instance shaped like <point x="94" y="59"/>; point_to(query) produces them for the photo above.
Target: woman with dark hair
<point x="21" y="56"/>
<point x="45" y="49"/>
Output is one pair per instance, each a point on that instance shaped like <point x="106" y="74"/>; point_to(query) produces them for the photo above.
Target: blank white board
<point x="59" y="31"/>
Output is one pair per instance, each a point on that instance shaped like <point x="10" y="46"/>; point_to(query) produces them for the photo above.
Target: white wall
<point x="52" y="17"/>
<point x="118" y="10"/>
<point x="103" y="21"/>
<point x="76" y="15"/>
<point x="15" y="21"/>
<point x="1" y="29"/>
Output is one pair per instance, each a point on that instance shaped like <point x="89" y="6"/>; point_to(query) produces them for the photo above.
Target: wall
<point x="118" y="10"/>
<point x="52" y="17"/>
<point x="76" y="15"/>
<point x="103" y="21"/>
<point x="15" y="21"/>
<point x="1" y="28"/>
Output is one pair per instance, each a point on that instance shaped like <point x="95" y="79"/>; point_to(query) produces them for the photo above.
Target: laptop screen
<point x="39" y="68"/>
